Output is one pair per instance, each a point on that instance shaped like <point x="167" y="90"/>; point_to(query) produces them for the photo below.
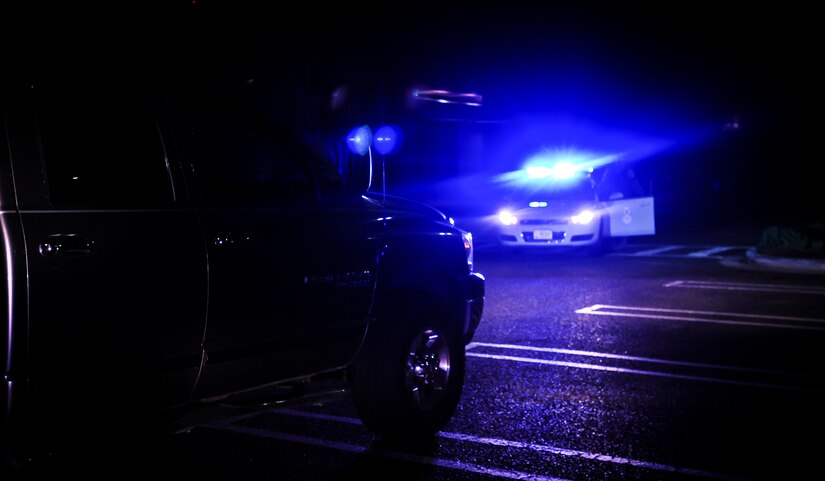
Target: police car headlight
<point x="583" y="217"/>
<point x="507" y="218"/>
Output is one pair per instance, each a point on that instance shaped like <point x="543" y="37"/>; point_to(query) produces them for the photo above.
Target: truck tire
<point x="408" y="378"/>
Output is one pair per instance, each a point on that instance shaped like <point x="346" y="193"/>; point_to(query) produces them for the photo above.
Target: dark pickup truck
<point x="172" y="258"/>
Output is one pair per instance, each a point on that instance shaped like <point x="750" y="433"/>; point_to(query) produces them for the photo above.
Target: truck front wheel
<point x="407" y="381"/>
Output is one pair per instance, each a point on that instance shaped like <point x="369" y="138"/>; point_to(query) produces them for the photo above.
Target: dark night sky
<point x="668" y="66"/>
<point x="664" y="69"/>
<point x="697" y="60"/>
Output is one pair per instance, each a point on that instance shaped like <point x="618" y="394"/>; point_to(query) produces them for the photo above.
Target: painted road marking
<point x="686" y="377"/>
<point x="711" y="251"/>
<point x="729" y="318"/>
<point x="656" y="251"/>
<point x="697" y="252"/>
<point x="643" y="372"/>
<point x="736" y="286"/>
<point x="458" y="465"/>
<point x="651" y="360"/>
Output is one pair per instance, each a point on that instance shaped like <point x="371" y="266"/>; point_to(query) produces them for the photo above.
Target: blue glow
<point x="526" y="149"/>
<point x="564" y="170"/>
<point x="537" y="171"/>
<point x="559" y="166"/>
<point x="387" y="139"/>
<point x="565" y="163"/>
<point x="359" y="140"/>
<point x="560" y="170"/>
<point x="538" y="204"/>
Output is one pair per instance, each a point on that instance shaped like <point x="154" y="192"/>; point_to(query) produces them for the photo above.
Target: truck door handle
<point x="66" y="245"/>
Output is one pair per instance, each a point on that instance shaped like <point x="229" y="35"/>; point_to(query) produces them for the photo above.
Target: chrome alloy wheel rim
<point x="428" y="368"/>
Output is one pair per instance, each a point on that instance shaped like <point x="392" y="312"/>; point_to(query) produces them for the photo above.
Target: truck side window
<point x="242" y="160"/>
<point x="106" y="154"/>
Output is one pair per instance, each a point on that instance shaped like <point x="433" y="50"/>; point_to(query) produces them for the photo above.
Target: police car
<point x="567" y="205"/>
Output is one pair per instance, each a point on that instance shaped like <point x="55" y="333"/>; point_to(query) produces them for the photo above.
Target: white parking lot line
<point x="747" y="286"/>
<point x="657" y="251"/>
<point x="687" y="377"/>
<point x="474" y="468"/>
<point x="623" y="357"/>
<point x="714" y="250"/>
<point x="386" y="453"/>
<point x="729" y="318"/>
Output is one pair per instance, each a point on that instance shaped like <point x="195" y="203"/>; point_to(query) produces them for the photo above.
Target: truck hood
<point x="396" y="203"/>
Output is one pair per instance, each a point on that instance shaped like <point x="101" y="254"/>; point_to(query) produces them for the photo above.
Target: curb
<point x="813" y="266"/>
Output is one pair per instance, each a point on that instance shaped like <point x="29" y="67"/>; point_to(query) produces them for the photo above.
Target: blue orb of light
<point x="386" y="139"/>
<point x="359" y="139"/>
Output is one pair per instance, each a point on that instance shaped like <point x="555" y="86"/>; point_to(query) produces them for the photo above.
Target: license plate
<point x="543" y="234"/>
